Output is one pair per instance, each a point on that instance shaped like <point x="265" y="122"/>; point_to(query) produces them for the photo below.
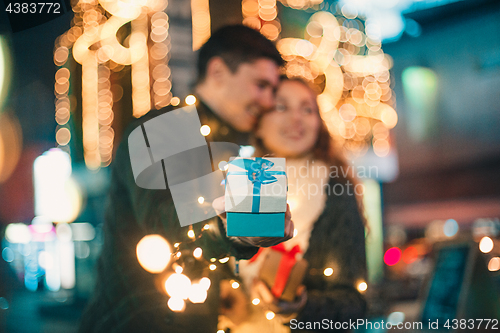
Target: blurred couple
<point x="241" y="96"/>
<point x="329" y="228"/>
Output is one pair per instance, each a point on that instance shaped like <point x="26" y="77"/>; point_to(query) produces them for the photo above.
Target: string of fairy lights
<point x="262" y="15"/>
<point x="357" y="101"/>
<point x="105" y="37"/>
<point x="155" y="255"/>
<point x="200" y="12"/>
<point x="338" y="53"/>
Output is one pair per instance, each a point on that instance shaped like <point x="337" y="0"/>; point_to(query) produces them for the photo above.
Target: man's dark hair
<point x="236" y="44"/>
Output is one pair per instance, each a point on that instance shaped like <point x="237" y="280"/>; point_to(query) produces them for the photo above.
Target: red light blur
<point x="392" y="256"/>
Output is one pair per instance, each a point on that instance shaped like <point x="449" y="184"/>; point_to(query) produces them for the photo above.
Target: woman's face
<point x="291" y="129"/>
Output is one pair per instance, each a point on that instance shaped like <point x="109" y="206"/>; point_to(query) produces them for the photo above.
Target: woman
<point x="329" y="226"/>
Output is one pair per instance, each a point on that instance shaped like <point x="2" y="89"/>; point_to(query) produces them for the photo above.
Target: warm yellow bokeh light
<point x="190" y="100"/>
<point x="235" y="285"/>
<point x="5" y="71"/>
<point x="205" y="282"/>
<point x="197" y="253"/>
<point x="10" y="144"/>
<point x="18" y="233"/>
<point x="197" y="293"/>
<point x="486" y="244"/>
<point x="224" y="260"/>
<point x="494" y="264"/>
<point x="362" y="286"/>
<point x="328" y="271"/>
<point x="176" y="304"/>
<point x="175" y="101"/>
<point x="57" y="195"/>
<point x="223" y="166"/>
<point x="255" y="301"/>
<point x="205" y="130"/>
<point x="153" y="253"/>
<point x="178" y="286"/>
<point x="63" y="136"/>
<point x="270" y="315"/>
<point x="355" y="73"/>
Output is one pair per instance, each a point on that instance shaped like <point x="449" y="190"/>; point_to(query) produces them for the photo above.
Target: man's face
<point x="248" y="92"/>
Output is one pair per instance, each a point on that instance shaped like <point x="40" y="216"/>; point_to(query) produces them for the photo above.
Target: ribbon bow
<point x="258" y="173"/>
<point x="257" y="169"/>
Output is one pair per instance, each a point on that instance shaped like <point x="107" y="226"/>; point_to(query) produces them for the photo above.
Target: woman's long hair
<point x="324" y="149"/>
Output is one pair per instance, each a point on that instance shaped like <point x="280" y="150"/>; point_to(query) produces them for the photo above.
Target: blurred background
<point x="410" y="92"/>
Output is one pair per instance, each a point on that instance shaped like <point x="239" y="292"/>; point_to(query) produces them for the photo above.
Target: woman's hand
<point x="219" y="206"/>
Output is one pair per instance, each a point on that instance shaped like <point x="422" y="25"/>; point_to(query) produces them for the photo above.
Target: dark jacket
<point x="337" y="241"/>
<point x="126" y="297"/>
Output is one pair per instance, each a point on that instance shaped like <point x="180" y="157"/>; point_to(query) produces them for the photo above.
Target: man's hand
<point x="219" y="206"/>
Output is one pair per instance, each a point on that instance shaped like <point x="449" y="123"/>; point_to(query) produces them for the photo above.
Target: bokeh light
<point x="344" y="60"/>
<point x="18" y="233"/>
<point x="197" y="253"/>
<point x="494" y="264"/>
<point x="205" y="282"/>
<point x="178" y="286"/>
<point x="410" y="254"/>
<point x="57" y="195"/>
<point x="10" y="144"/>
<point x="392" y="256"/>
<point x="176" y="304"/>
<point x="200" y="12"/>
<point x="450" y="228"/>
<point x="190" y="99"/>
<point x="270" y="315"/>
<point x="153" y="253"/>
<point x="197" y="293"/>
<point x="396" y="317"/>
<point x="93" y="42"/>
<point x="362" y="286"/>
<point x="205" y="130"/>
<point x="486" y="244"/>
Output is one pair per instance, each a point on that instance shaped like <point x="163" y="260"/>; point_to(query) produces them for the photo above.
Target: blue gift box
<point x="256" y="197"/>
<point x="256" y="224"/>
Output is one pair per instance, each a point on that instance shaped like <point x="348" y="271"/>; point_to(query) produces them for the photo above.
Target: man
<point x="237" y="74"/>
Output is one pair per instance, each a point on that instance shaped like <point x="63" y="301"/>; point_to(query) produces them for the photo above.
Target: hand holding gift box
<point x="219" y="205"/>
<point x="255" y="197"/>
